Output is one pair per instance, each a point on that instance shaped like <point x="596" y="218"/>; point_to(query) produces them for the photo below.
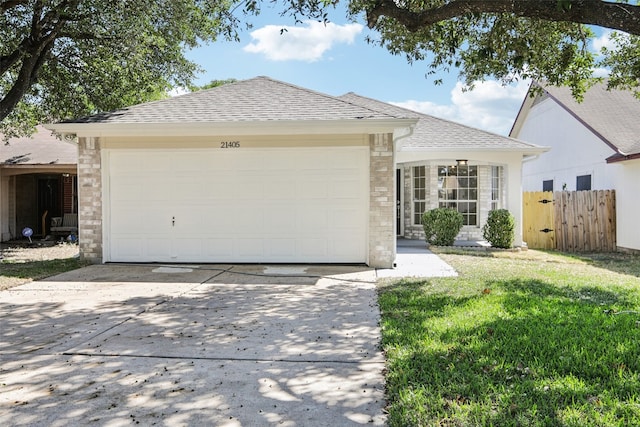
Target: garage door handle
<point x="173" y="221"/>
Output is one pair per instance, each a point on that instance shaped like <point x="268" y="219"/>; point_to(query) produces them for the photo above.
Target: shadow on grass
<point x="40" y="269"/>
<point x="527" y="353"/>
<point x="617" y="262"/>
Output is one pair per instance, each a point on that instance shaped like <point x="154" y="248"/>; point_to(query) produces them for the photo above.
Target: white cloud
<point x="177" y="91"/>
<point x="489" y="106"/>
<point x="306" y="43"/>
<point x="603" y="41"/>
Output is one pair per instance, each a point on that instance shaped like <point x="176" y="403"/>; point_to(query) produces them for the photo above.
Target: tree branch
<point x="617" y="16"/>
<point x="8" y="4"/>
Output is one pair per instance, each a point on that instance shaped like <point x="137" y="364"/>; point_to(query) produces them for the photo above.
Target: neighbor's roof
<point x="260" y="101"/>
<point x="432" y="133"/>
<point x="43" y="148"/>
<point x="611" y="114"/>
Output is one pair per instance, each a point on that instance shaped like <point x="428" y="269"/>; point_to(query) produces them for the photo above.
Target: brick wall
<point x="382" y="239"/>
<point x="90" y="199"/>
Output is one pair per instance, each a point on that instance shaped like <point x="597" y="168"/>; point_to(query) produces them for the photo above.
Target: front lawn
<point x="518" y="339"/>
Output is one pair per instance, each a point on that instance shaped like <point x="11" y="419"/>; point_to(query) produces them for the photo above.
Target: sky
<point x="335" y="59"/>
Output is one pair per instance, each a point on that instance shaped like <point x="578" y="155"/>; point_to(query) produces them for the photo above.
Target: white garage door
<point x="243" y="205"/>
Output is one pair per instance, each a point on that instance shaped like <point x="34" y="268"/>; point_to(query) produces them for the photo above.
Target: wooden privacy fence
<point x="570" y="221"/>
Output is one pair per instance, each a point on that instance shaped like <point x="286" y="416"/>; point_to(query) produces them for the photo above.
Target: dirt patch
<point x="19" y="251"/>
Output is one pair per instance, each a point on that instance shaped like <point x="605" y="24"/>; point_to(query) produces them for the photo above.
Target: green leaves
<point x="105" y="55"/>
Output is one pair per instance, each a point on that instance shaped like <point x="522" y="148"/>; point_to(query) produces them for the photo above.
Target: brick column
<point x="90" y="199"/>
<point x="382" y="239"/>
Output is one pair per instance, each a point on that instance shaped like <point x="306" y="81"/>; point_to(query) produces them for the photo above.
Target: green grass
<point x="518" y="339"/>
<point x="15" y="273"/>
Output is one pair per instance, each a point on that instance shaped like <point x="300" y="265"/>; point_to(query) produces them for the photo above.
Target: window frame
<point x="464" y="175"/>
<point x="578" y="182"/>
<point x="415" y="189"/>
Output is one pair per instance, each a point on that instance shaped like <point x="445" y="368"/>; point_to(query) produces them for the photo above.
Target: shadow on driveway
<point x="193" y="345"/>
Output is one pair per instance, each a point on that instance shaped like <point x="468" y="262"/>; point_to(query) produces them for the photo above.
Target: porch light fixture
<point x="462" y="162"/>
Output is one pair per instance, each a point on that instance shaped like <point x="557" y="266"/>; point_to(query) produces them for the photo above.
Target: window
<point x="419" y="193"/>
<point x="583" y="182"/>
<point x="458" y="189"/>
<point x="496" y="185"/>
<point x="547" y="185"/>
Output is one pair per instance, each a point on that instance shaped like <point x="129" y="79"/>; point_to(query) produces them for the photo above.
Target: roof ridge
<point x="452" y="122"/>
<point x="326" y="95"/>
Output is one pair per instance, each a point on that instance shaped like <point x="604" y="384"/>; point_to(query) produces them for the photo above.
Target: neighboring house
<point x="446" y="164"/>
<point x="37" y="183"/>
<point x="261" y="171"/>
<point x="595" y="145"/>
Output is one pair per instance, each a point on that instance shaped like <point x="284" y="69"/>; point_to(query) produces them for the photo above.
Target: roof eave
<point x="524" y="150"/>
<point x="273" y="127"/>
<point x="618" y="157"/>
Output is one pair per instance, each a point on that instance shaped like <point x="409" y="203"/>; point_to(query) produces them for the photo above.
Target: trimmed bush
<point x="499" y="230"/>
<point x="441" y="226"/>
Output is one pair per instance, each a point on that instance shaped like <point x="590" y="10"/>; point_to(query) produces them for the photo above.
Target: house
<point x="37" y="183"/>
<point x="260" y="171"/>
<point x="447" y="164"/>
<point x="595" y="145"/>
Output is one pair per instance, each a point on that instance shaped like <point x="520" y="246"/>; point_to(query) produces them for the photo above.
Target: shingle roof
<point x="42" y="149"/>
<point x="256" y="99"/>
<point x="432" y="133"/>
<point x="613" y="115"/>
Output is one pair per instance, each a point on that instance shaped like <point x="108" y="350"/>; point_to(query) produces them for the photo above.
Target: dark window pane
<point x="463" y="182"/>
<point x="583" y="183"/>
<point x="473" y="182"/>
<point x="463" y="194"/>
<point x="473" y="207"/>
<point x="473" y="171"/>
<point x="547" y="185"/>
<point x="473" y="194"/>
<point x="472" y="220"/>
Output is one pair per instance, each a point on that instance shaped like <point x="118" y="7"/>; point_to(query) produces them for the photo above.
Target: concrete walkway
<point x="210" y="345"/>
<point x="413" y="259"/>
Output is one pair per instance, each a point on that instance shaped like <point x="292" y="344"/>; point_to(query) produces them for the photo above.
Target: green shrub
<point x="441" y="226"/>
<point x="499" y="230"/>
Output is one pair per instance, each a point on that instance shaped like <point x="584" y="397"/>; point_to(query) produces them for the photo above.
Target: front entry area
<point x="280" y="205"/>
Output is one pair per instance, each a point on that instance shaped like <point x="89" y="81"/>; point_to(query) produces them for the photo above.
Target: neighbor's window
<point x="419" y="193"/>
<point x="496" y="185"/>
<point x="583" y="182"/>
<point x="547" y="185"/>
<point x="458" y="189"/>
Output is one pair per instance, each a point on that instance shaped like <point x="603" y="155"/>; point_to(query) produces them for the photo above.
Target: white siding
<point x="575" y="150"/>
<point x="627" y="177"/>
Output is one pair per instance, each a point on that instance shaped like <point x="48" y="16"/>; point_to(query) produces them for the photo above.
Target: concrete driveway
<point x="123" y="345"/>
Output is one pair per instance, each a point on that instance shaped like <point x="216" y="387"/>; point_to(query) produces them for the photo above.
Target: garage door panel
<point x="314" y="187"/>
<point x="187" y="247"/>
<point x="250" y="248"/>
<point x="345" y="220"/>
<point x="218" y="249"/>
<point x="345" y="189"/>
<point x="281" y="219"/>
<point x="158" y="248"/>
<point x="266" y="205"/>
<point x="313" y="248"/>
<point x="281" y="249"/>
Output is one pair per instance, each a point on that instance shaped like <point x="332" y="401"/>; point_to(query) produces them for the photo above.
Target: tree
<point x="212" y="84"/>
<point x="65" y="58"/>
<point x="503" y="39"/>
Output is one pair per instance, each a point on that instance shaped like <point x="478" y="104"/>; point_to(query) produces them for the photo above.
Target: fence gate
<point x="570" y="221"/>
<point x="538" y="220"/>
